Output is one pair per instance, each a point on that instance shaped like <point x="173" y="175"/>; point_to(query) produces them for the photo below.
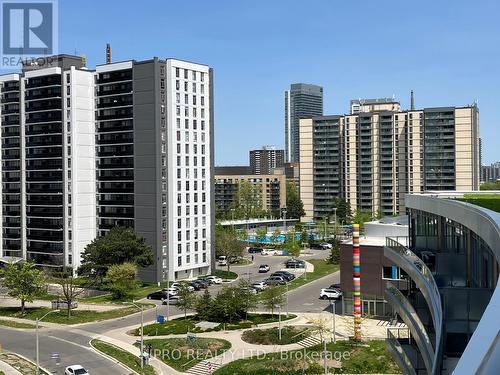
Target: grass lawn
<point x="181" y="325"/>
<point x="2" y="373"/>
<point x="243" y="262"/>
<point x="182" y="354"/>
<point x="136" y="295"/>
<point x="225" y="275"/>
<point x="22" y="365"/>
<point x="368" y="358"/>
<point x="12" y="324"/>
<point x="489" y="201"/>
<point x="77" y="316"/>
<point x="321" y="269"/>
<point x="122" y="356"/>
<point x="270" y="336"/>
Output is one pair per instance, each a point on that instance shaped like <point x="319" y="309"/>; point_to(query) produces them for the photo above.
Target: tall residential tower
<point x="301" y="101"/>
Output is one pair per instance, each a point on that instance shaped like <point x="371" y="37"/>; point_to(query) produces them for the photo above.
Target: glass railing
<point x="397" y="351"/>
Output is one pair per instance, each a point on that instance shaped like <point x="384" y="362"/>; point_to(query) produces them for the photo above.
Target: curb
<point x="30" y="361"/>
<point x="114" y="360"/>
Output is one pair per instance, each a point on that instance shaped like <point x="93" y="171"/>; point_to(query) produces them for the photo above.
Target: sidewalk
<point x="8" y="369"/>
<point x="371" y="328"/>
<point x="12" y="302"/>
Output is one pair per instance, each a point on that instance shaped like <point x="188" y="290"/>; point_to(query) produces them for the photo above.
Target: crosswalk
<point x="204" y="368"/>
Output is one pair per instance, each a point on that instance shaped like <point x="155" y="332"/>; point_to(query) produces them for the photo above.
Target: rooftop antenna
<point x="412" y="101"/>
<point x="108" y="53"/>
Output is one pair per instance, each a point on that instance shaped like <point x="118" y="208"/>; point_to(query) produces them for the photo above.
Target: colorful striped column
<point x="357" y="281"/>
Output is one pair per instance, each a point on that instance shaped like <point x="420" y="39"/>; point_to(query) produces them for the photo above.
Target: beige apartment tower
<point x="372" y="158"/>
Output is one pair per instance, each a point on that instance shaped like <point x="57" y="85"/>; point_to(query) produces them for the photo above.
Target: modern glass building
<point x="301" y="101"/>
<point x="451" y="303"/>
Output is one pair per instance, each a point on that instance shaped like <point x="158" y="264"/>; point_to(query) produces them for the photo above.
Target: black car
<point x="295" y="263"/>
<point x="287" y="275"/>
<point x="253" y="250"/>
<point x="204" y="283"/>
<point x="159" y="295"/>
<point x="209" y="281"/>
<point x="196" y="285"/>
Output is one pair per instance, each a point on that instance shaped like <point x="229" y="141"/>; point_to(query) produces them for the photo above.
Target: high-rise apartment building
<point x="301" y="101"/>
<point x="130" y="144"/>
<point x="48" y="158"/>
<point x="263" y="161"/>
<point x="490" y="172"/>
<point x="372" y="159"/>
<point x="269" y="191"/>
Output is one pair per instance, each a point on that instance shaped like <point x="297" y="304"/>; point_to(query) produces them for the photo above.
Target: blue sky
<point x="448" y="52"/>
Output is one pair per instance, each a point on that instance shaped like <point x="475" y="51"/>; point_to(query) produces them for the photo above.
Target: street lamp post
<point x="333" y="321"/>
<point x="335" y="222"/>
<point x="37" y="372"/>
<point x="286" y="299"/>
<point x="279" y="324"/>
<point x="168" y="294"/>
<point x="141" y="307"/>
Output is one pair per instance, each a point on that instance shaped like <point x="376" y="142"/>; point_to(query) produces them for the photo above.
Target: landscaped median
<point x="271" y="336"/>
<point x="184" y="353"/>
<point x="20" y="363"/>
<point x="184" y="325"/>
<point x="225" y="275"/>
<point x="343" y="357"/>
<point x="125" y="358"/>
<point x="60" y="317"/>
<point x="321" y="269"/>
<point x="17" y="325"/>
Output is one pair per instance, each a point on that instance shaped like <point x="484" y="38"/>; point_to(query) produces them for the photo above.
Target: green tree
<point x="229" y="305"/>
<point x="334" y="257"/>
<point x="272" y="297"/>
<point x="490" y="185"/>
<point x="344" y="213"/>
<point x="294" y="206"/>
<point x="70" y="289"/>
<point x="361" y="217"/>
<point x="261" y="234"/>
<point x="227" y="243"/>
<point x="186" y="300"/>
<point x="204" y="305"/>
<point x="118" y="246"/>
<point x="247" y="199"/>
<point x="250" y="299"/>
<point x="292" y="244"/>
<point x="24" y="281"/>
<point x="121" y="279"/>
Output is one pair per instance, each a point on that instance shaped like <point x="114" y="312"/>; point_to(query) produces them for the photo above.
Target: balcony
<point x="404" y="258"/>
<point x="406" y="311"/>
<point x="398" y="353"/>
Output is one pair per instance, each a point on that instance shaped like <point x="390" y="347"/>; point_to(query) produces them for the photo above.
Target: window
<point x="177" y="72"/>
<point x="177" y="84"/>
<point x="391" y="273"/>
<point x="179" y="236"/>
<point x="178" y="135"/>
<point x="202" y="88"/>
<point x="179" y="261"/>
<point x="202" y="76"/>
<point x="186" y="111"/>
<point x="162" y="83"/>
<point x="179" y="248"/>
<point x="188" y="259"/>
<point x="179" y="223"/>
<point x="178" y="148"/>
<point x="178" y="121"/>
<point x="185" y="74"/>
<point x="178" y="173"/>
<point x="186" y="136"/>
<point x="194" y="99"/>
<point x="202" y="124"/>
<point x="186" y="99"/>
<point x="177" y="98"/>
<point x="194" y="87"/>
<point x="202" y="100"/>
<point x="194" y="75"/>
<point x="179" y="211"/>
<point x="186" y="124"/>
<point x="195" y="124"/>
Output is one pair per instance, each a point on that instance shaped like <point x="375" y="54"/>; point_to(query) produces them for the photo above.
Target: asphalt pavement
<point x="72" y="343"/>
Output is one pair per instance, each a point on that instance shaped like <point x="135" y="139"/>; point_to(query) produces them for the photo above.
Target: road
<point x="72" y="343"/>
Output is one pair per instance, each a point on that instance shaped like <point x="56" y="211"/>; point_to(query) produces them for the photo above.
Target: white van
<point x="222" y="260"/>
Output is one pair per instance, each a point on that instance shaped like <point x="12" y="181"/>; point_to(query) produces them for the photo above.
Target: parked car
<point x="253" y="250"/>
<point x="263" y="268"/>
<point x="233" y="259"/>
<point x="178" y="285"/>
<point x="285" y="274"/>
<point x="327" y="293"/>
<point x="205" y="283"/>
<point x="321" y="246"/>
<point x="295" y="263"/>
<point x="197" y="285"/>
<point x="334" y="286"/>
<point x="172" y="300"/>
<point x="172" y="290"/>
<point x="158" y="295"/>
<point x="259" y="285"/>
<point x="75" y="370"/>
<point x="269" y="252"/>
<point x="215" y="279"/>
<point x="275" y="280"/>
<point x="222" y="260"/>
<point x="249" y="290"/>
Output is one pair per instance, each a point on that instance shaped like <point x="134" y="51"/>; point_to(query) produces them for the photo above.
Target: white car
<point x="269" y="252"/>
<point x="75" y="370"/>
<point x="259" y="285"/>
<point x="182" y="285"/>
<point x="215" y="279"/>
<point x="173" y="291"/>
<point x="330" y="293"/>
